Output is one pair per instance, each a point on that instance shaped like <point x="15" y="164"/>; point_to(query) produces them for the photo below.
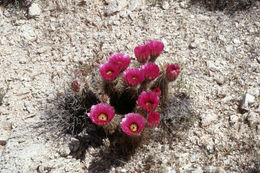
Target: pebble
<point x="245" y="102"/>
<point x="165" y="5"/>
<point x="184" y="4"/>
<point x="220" y="79"/>
<point x="5" y="130"/>
<point x="34" y="10"/>
<point x="254" y="92"/>
<point x="115" y="6"/>
<point x="28" y="32"/>
<point x="207" y="119"/>
<point x="193" y="45"/>
<point x="211" y="66"/>
<point x="236" y="41"/>
<point x="74" y="145"/>
<point x="253" y="119"/>
<point x="136" y="4"/>
<point x="64" y="151"/>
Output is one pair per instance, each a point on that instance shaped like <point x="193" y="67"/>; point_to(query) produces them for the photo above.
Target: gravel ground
<point x="212" y="123"/>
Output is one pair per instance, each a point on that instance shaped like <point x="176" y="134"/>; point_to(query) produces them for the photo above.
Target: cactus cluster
<point x="135" y="91"/>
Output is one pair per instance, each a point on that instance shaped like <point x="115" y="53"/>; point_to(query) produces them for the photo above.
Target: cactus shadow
<point x="178" y="115"/>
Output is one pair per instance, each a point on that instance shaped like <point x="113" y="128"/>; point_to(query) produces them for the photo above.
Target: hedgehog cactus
<point x="136" y="94"/>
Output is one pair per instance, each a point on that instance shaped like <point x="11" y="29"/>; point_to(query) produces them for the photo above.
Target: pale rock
<point x="233" y="119"/>
<point x="193" y="45"/>
<point x="115" y="6"/>
<point x="28" y="106"/>
<point x="165" y="5"/>
<point x="132" y="16"/>
<point x="28" y="32"/>
<point x="211" y="66"/>
<point x="236" y="41"/>
<point x="220" y="79"/>
<point x="246" y="101"/>
<point x="136" y="5"/>
<point x="254" y="92"/>
<point x="64" y="151"/>
<point x="184" y="4"/>
<point x="22" y="60"/>
<point x="34" y="10"/>
<point x="74" y="145"/>
<point x="5" y="131"/>
<point x="253" y="119"/>
<point x="207" y="119"/>
<point x="229" y="48"/>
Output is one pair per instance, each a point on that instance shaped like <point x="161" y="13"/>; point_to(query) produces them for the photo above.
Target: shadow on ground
<point x="229" y="6"/>
<point x="178" y="115"/>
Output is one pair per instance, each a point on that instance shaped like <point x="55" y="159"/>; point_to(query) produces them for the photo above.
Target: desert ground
<point x="211" y="123"/>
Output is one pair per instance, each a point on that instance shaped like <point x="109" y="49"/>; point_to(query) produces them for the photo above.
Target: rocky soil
<point x="212" y="123"/>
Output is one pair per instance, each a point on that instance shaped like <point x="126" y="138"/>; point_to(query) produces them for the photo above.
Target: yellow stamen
<point x="109" y="72"/>
<point x="134" y="127"/>
<point x="102" y="117"/>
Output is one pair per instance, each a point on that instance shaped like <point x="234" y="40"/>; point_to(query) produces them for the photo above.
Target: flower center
<point x="109" y="72"/>
<point x="102" y="117"/>
<point x="134" y="77"/>
<point x="134" y="127"/>
<point x="149" y="103"/>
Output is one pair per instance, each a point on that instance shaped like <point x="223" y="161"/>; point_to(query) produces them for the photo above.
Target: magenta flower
<point x="172" y="72"/>
<point x="157" y="91"/>
<point x="153" y="119"/>
<point x="101" y="113"/>
<point x="109" y="71"/>
<point x="75" y="86"/>
<point x="121" y="60"/>
<point x="156" y="48"/>
<point x="142" y="53"/>
<point x="133" y="76"/>
<point x="132" y="123"/>
<point x="148" y="101"/>
<point x="151" y="71"/>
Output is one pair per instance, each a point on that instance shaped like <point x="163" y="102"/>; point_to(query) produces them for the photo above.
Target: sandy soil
<point x="202" y="129"/>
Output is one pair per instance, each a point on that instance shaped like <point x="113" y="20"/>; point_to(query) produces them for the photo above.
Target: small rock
<point x="207" y="119"/>
<point x="211" y="66"/>
<point x="184" y="4"/>
<point x="253" y="119"/>
<point x="29" y="107"/>
<point x="23" y="60"/>
<point x="236" y="41"/>
<point x="132" y="16"/>
<point x="193" y="45"/>
<point x="229" y="48"/>
<point x="74" y="145"/>
<point x="64" y="151"/>
<point x="115" y="6"/>
<point x="220" y="79"/>
<point x="28" y="32"/>
<point x="34" y="10"/>
<point x="136" y="5"/>
<point x="245" y="102"/>
<point x="165" y="5"/>
<point x="233" y="119"/>
<point x="254" y="92"/>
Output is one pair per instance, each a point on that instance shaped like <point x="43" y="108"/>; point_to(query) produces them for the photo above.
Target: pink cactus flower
<point x="142" y="53"/>
<point x="148" y="101"/>
<point x="133" y="76"/>
<point x="157" y="91"/>
<point x="101" y="113"/>
<point x="156" y="48"/>
<point x="153" y="119"/>
<point x="75" y="86"/>
<point x="151" y="71"/>
<point x="109" y="71"/>
<point x="132" y="124"/>
<point x="172" y="72"/>
<point x="121" y="60"/>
